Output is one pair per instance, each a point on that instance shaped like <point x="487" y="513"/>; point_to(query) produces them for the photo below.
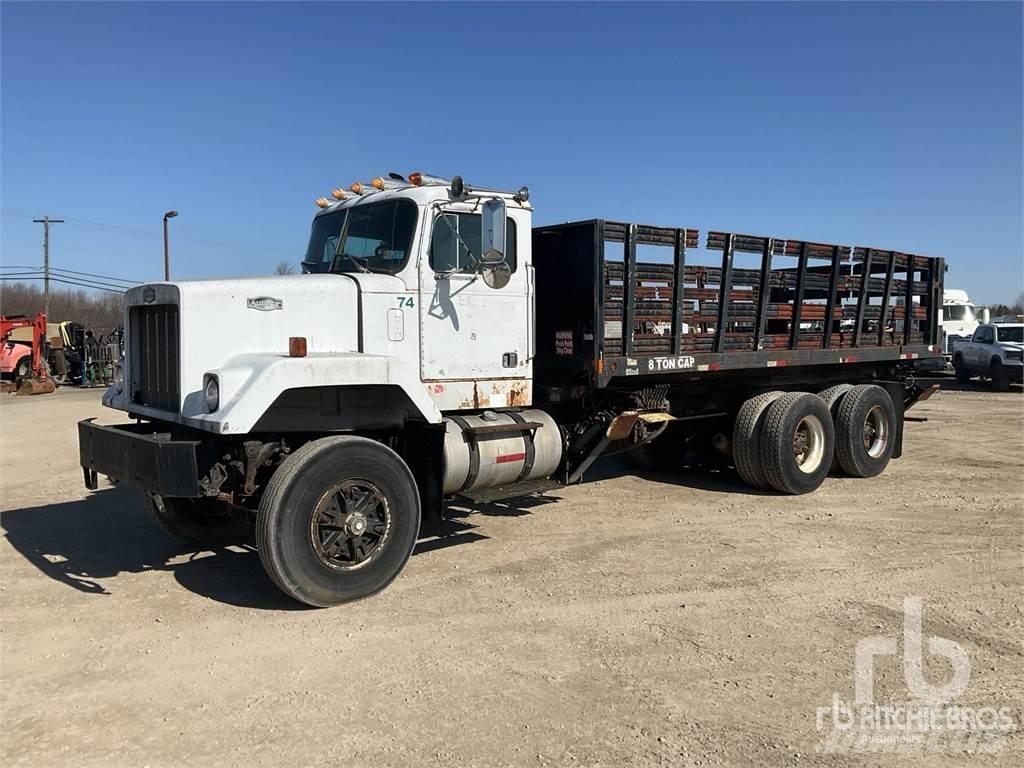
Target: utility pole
<point x="46" y="221"/>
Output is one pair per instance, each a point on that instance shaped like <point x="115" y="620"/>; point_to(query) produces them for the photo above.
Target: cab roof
<point x="425" y="194"/>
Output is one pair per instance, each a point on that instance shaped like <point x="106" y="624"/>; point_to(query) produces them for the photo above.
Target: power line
<point x="76" y="272"/>
<point x="80" y="283"/>
<point x="104" y="277"/>
<point x="8" y="279"/>
<point x="142" y="232"/>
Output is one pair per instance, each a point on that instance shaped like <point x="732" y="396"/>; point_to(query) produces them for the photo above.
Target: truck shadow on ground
<point x="714" y="479"/>
<point x="948" y="383"/>
<point x="84" y="543"/>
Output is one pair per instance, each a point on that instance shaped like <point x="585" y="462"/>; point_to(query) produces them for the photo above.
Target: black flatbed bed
<point x="678" y="312"/>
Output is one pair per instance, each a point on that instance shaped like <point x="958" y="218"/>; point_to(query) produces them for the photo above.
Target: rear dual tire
<point x="788" y="441"/>
<point x="746" y="439"/>
<point x="797" y="443"/>
<point x="865" y="430"/>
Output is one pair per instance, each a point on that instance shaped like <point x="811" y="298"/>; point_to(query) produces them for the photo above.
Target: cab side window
<point x="447" y="252"/>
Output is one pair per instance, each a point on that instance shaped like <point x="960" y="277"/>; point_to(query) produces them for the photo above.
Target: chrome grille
<point x="155" y="356"/>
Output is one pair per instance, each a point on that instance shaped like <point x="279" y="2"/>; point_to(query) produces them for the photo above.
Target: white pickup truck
<point x="994" y="351"/>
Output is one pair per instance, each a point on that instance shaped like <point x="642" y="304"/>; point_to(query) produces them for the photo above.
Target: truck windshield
<point x="958" y="312"/>
<point x="377" y="237"/>
<point x="323" y="241"/>
<point x="1012" y="333"/>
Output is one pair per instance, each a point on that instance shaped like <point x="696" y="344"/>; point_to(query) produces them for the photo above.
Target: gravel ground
<point x="660" y="620"/>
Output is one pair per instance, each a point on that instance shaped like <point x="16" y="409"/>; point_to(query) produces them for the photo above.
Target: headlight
<point x="119" y="377"/>
<point x="1014" y="355"/>
<point x="211" y="391"/>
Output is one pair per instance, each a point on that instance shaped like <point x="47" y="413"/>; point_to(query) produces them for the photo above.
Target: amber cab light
<point x="297" y="346"/>
<point x="416" y="178"/>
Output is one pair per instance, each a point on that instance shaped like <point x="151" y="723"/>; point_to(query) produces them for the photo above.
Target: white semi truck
<point x="438" y="344"/>
<point x="959" y="319"/>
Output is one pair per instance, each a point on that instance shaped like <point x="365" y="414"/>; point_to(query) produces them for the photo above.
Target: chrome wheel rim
<point x="876" y="432"/>
<point x="350" y="525"/>
<point x="809" y="444"/>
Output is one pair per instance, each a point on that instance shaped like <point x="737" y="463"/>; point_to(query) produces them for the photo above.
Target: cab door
<point x="980" y="352"/>
<point x="470" y="332"/>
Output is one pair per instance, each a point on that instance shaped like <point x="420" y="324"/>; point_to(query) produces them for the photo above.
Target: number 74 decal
<point x="405" y="301"/>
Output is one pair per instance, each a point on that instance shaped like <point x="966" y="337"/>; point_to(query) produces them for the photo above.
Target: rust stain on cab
<point x="519" y="394"/>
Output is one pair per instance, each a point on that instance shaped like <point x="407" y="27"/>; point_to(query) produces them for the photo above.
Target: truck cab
<point x="959" y="318"/>
<point x="396" y="280"/>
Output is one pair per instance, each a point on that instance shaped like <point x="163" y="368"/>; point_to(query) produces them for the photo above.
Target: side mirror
<point x="492" y="231"/>
<point x="986" y="316"/>
<point x="496" y="275"/>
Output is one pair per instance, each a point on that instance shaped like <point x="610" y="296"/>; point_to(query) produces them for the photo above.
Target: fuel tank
<point x="499" y="448"/>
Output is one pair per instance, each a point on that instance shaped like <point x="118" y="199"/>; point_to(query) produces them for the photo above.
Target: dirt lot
<point x="666" y="620"/>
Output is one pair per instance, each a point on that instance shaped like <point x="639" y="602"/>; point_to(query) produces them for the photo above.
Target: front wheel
<point x="1000" y="380"/>
<point x="200" y="522"/>
<point x="338" y="521"/>
<point x="23" y="369"/>
<point x="963" y="376"/>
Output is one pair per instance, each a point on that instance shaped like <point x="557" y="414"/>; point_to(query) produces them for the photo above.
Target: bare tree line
<point x="99" y="312"/>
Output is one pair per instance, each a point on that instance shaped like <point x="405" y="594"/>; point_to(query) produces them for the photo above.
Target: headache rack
<point x="679" y="307"/>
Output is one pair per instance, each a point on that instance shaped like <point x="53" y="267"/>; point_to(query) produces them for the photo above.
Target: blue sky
<point x="891" y="125"/>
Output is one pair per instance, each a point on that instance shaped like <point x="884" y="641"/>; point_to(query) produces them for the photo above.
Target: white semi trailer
<point x="438" y="344"/>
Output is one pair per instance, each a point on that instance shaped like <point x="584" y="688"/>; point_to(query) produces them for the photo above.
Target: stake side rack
<point x="602" y="308"/>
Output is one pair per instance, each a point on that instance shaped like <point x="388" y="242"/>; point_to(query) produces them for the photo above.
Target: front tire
<point x="1000" y="379"/>
<point x="865" y="431"/>
<point x="963" y="376"/>
<point x="338" y="521"/>
<point x="797" y="443"/>
<point x="200" y="522"/>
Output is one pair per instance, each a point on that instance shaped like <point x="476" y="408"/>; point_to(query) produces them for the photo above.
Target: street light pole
<point x="167" y="255"/>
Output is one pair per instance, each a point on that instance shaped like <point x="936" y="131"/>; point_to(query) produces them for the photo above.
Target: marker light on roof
<point x="322" y="202"/>
<point x="381" y="183"/>
<point x="360" y="189"/>
<point x="339" y="194"/>
<point x="418" y="179"/>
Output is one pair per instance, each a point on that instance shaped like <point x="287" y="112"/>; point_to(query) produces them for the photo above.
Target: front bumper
<point x="140" y="454"/>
